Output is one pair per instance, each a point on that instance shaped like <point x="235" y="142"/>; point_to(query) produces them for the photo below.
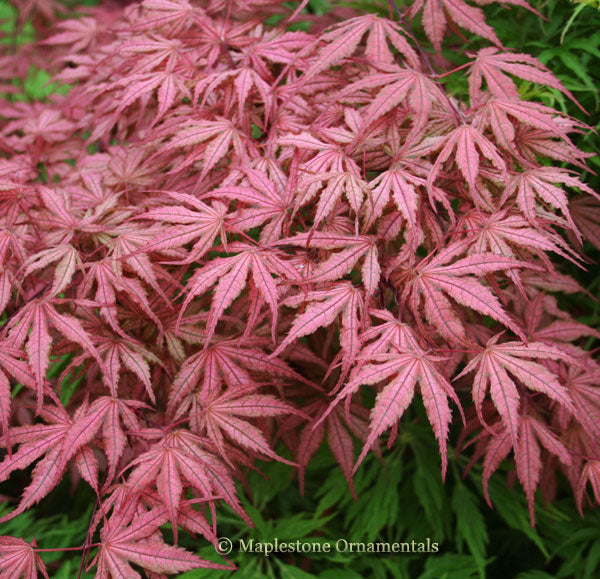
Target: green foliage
<point x="37" y="84"/>
<point x="64" y="530"/>
<point x="471" y="533"/>
<point x="8" y="31"/>
<point x="403" y="502"/>
<point x="474" y="540"/>
<point x="568" y="42"/>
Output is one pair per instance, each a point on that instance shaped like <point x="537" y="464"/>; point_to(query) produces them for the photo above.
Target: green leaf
<point x="429" y="488"/>
<point x="333" y="491"/>
<point x="470" y="524"/>
<point x="70" y="569"/>
<point x="297" y="527"/>
<point x="534" y="574"/>
<point x="338" y="573"/>
<point x="512" y="509"/>
<point x="450" y="566"/>
<point x="290" y="572"/>
<point x="378" y="506"/>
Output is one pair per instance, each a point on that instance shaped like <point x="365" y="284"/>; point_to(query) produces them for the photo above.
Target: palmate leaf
<point x="111" y="287"/>
<point x="170" y="86"/>
<point x="180" y="457"/>
<point x="492" y="66"/>
<point x="226" y="363"/>
<point x="536" y="443"/>
<point x="437" y="12"/>
<point x="11" y="366"/>
<point x="126" y="541"/>
<point x="204" y="225"/>
<point x="563" y="330"/>
<point x="135" y="358"/>
<point x="343" y="40"/>
<point x="502" y="231"/>
<point x="78" y="33"/>
<point x="586" y="215"/>
<point x="19" y="559"/>
<point x="466" y="140"/>
<point x="230" y="276"/>
<point x="37" y="317"/>
<point x="434" y="278"/>
<point x="500" y="114"/>
<point x="397" y="86"/>
<point x="532" y="435"/>
<point x="392" y="335"/>
<point x="116" y="414"/>
<point x="399" y="184"/>
<point x="63" y="272"/>
<point x="407" y="370"/>
<point x="353" y="188"/>
<point x="223" y="135"/>
<point x="582" y="383"/>
<point x="331" y="164"/>
<point x="590" y="474"/>
<point x="169" y="15"/>
<point x="541" y="183"/>
<point x="323" y="308"/>
<point x="64" y="438"/>
<point x="341" y="263"/>
<point x="58" y="441"/>
<point x="228" y="414"/>
<point x="245" y="79"/>
<point x="496" y="367"/>
<point x="338" y="429"/>
<point x="267" y="200"/>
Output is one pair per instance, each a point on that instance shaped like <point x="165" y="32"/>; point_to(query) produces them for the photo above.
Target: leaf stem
<point x="68" y="548"/>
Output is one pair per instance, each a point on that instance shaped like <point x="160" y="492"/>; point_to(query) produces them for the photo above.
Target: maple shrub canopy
<point x="231" y="229"/>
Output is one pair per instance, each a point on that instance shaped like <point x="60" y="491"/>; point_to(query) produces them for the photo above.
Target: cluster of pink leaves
<point x="231" y="230"/>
